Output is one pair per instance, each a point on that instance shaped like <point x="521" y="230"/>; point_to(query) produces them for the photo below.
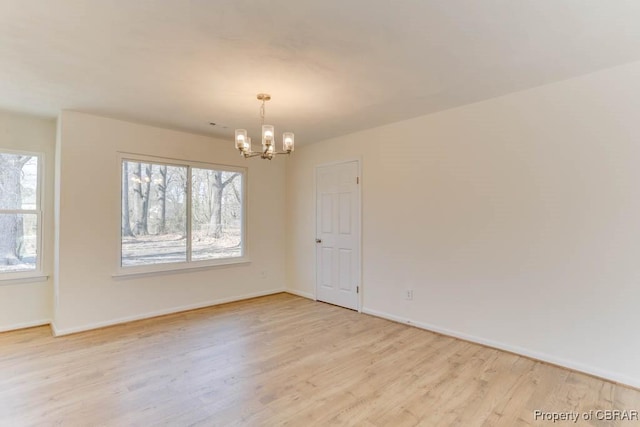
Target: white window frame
<point x="37" y="274"/>
<point x="189" y="264"/>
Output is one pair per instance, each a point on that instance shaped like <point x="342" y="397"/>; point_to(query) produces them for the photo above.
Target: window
<point x="179" y="214"/>
<point x="20" y="215"/>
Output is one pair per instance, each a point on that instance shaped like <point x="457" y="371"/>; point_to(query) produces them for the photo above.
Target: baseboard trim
<point x="302" y="294"/>
<point x="25" y="325"/>
<point x="542" y="357"/>
<point x="173" y="310"/>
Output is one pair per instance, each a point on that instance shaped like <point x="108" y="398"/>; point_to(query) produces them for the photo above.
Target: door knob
<point x="318" y="240"/>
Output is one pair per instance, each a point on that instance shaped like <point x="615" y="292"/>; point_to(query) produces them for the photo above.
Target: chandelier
<point x="243" y="142"/>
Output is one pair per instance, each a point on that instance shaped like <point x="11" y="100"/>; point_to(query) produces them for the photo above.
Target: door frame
<point x="358" y="161"/>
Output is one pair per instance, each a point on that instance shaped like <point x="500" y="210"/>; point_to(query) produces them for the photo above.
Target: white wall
<point x="29" y="303"/>
<point x="88" y="224"/>
<point x="516" y="221"/>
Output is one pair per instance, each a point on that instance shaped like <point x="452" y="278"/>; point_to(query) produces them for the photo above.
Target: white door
<point x="338" y="234"/>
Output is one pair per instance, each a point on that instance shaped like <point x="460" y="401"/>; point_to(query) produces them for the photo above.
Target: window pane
<point x="216" y="214"/>
<point x="154" y="214"/>
<point x="18" y="242"/>
<point x="18" y="181"/>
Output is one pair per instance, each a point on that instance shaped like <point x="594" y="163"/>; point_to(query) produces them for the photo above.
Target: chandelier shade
<point x="241" y="138"/>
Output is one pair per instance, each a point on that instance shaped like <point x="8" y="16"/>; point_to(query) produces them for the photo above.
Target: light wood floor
<point x="281" y="360"/>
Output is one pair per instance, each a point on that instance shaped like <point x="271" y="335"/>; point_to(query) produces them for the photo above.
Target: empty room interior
<point x="367" y="213"/>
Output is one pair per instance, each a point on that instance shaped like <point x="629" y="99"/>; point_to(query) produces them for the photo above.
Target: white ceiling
<point x="332" y="66"/>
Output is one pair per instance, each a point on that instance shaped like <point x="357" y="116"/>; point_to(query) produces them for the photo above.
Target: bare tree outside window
<point x="156" y="227"/>
<point x="19" y="213"/>
<point x="154" y="212"/>
<point x="216" y="214"/>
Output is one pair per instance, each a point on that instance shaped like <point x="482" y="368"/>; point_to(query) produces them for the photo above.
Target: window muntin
<point x="20" y="214"/>
<point x="180" y="213"/>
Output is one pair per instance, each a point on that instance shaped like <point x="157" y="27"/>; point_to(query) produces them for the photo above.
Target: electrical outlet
<point x="408" y="294"/>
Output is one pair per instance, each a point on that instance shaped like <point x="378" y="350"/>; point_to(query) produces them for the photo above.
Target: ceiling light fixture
<point x="243" y="142"/>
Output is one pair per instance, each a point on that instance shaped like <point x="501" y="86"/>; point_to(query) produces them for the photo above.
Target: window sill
<point x="159" y="270"/>
<point x="23" y="279"/>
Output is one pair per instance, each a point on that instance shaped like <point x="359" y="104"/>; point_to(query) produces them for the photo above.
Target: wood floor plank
<point x="282" y="360"/>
